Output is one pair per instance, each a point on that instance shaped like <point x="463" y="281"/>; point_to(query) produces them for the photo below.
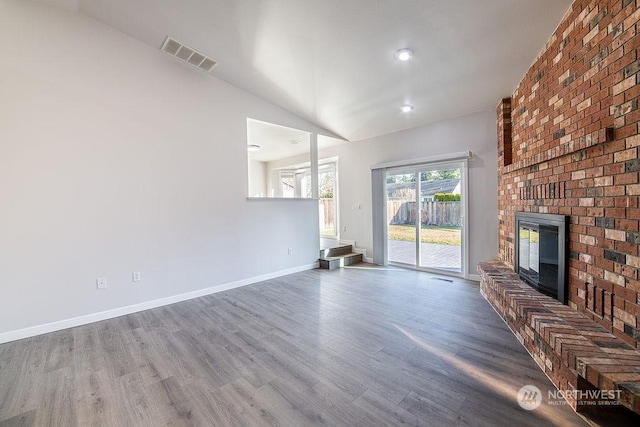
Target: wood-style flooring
<point x="360" y="346"/>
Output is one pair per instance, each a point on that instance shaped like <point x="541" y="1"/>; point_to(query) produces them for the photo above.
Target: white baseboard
<point x="121" y="311"/>
<point x="474" y="277"/>
<point x="364" y="254"/>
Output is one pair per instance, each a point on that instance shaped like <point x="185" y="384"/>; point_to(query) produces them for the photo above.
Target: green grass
<point x="533" y="237"/>
<point x="327" y="232"/>
<point x="430" y="234"/>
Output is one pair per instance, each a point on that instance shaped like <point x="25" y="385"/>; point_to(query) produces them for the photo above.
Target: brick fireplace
<point x="568" y="144"/>
<point x="568" y="141"/>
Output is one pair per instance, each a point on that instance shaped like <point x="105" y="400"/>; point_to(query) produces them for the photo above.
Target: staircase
<point x="340" y="256"/>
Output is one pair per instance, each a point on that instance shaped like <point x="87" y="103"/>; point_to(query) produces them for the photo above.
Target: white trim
<point x="464" y="182"/>
<point x="474" y="277"/>
<point x="363" y="252"/>
<point x="314" y="165"/>
<point x="431" y="159"/>
<point x="121" y="311"/>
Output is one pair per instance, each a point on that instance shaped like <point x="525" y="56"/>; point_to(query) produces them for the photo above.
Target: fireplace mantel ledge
<point x="563" y="149"/>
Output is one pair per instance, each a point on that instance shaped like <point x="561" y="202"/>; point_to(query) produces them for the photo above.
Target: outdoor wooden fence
<point x="433" y="213"/>
<point x="401" y="212"/>
<point x="326" y="213"/>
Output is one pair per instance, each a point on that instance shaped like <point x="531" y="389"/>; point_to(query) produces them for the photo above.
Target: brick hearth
<point x="576" y="353"/>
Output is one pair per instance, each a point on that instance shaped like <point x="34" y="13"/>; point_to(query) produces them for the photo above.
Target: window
<point x="327" y="192"/>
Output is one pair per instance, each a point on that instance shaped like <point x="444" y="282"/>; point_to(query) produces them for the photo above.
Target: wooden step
<point x="336" y="251"/>
<point x="333" y="262"/>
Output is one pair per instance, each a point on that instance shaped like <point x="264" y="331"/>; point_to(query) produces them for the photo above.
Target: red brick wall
<point x="573" y="150"/>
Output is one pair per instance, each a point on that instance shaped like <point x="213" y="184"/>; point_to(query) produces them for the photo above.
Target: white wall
<point x="114" y="158"/>
<point x="475" y="132"/>
<point x="257" y="178"/>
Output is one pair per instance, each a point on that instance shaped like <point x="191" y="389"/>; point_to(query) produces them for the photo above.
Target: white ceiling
<point x="276" y="142"/>
<point x="281" y="142"/>
<point x="332" y="61"/>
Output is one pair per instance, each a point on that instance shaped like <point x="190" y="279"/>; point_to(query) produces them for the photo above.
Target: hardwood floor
<point x="360" y="346"/>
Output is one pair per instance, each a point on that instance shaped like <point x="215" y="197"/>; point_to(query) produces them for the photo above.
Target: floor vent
<point x="442" y="280"/>
<point x="187" y="54"/>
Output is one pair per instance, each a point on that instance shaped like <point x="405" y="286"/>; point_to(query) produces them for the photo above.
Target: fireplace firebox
<point x="541" y="250"/>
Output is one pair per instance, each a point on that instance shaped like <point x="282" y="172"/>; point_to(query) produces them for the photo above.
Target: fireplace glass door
<point x="538" y="256"/>
<point x="529" y="251"/>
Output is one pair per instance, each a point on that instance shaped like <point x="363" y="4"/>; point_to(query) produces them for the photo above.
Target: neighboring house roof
<point x="428" y="188"/>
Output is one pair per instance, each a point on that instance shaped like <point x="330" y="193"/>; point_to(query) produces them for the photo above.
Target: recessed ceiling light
<point x="253" y="147"/>
<point x="404" y="54"/>
<point x="407" y="108"/>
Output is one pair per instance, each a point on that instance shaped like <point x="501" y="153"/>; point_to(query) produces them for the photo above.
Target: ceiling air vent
<point x="188" y="55"/>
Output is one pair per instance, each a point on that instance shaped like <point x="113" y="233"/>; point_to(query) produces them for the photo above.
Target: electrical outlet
<point x="136" y="276"/>
<point x="101" y="283"/>
<point x="290" y="251"/>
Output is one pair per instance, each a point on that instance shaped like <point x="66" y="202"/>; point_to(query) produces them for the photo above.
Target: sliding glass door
<point x="425" y="217"/>
<point x="402" y="217"/>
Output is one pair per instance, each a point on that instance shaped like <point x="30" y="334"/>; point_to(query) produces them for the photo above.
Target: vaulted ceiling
<point x="332" y="61"/>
